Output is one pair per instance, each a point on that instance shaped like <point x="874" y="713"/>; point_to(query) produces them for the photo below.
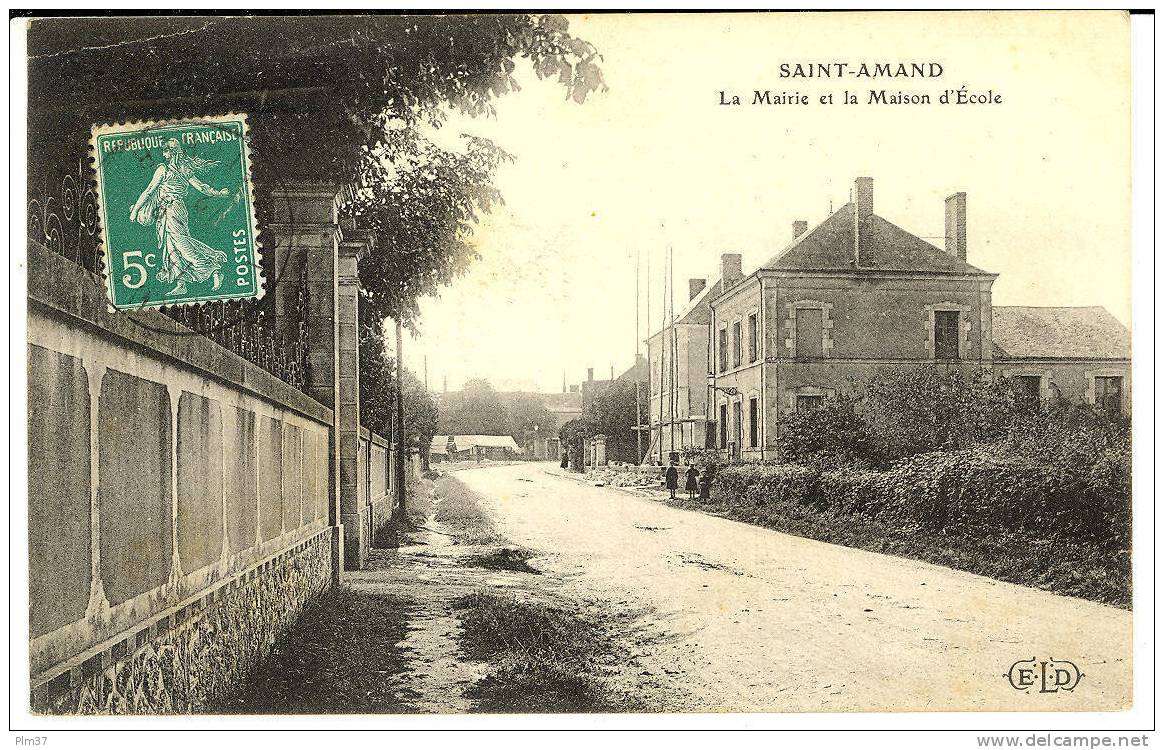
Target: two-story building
<point x="857" y="296"/>
<point x="677" y="365"/>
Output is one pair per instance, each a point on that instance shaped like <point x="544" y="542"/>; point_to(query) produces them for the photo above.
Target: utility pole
<point x="662" y="355"/>
<point x="673" y="400"/>
<point x="401" y="438"/>
<point x="638" y="399"/>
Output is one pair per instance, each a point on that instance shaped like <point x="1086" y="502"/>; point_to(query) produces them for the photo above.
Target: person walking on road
<point x="692" y="481"/>
<point x="672" y="479"/>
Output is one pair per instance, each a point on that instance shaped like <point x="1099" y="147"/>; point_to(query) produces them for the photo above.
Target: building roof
<point x="697" y="311"/>
<point x="464" y="442"/>
<point x="829" y="246"/>
<point x="1058" y="333"/>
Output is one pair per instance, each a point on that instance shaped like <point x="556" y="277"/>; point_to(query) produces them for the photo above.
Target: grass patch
<point x="1051" y="563"/>
<point x="460" y="512"/>
<point x="418" y="507"/>
<point x="337" y="658"/>
<point x="546" y="659"/>
<point x="506" y="558"/>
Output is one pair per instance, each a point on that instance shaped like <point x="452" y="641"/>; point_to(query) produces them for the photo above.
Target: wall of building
<point x="688" y="385"/>
<point x="1073" y="380"/>
<point x="737" y="305"/>
<point x="178" y="504"/>
<point x="868" y="324"/>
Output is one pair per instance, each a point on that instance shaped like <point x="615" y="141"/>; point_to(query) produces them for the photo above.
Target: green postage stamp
<point x="177" y="211"/>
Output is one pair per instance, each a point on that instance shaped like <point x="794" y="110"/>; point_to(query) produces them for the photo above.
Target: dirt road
<point x="739" y="618"/>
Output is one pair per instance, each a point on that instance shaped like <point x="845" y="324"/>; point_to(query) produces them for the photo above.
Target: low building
<point x="1081" y="354"/>
<point x="473" y="448"/>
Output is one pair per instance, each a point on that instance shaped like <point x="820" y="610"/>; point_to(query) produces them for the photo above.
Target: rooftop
<point x="1059" y="333"/>
<point x="829" y="246"/>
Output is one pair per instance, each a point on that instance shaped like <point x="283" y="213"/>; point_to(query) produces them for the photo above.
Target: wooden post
<point x="402" y="457"/>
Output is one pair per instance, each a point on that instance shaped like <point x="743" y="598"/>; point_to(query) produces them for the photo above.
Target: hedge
<point x="976" y="488"/>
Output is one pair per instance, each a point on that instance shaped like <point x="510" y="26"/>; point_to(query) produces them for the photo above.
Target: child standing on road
<point x="692" y="481"/>
<point x="672" y="479"/>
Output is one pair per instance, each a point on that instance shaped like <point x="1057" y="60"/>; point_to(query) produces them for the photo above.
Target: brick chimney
<point x="799" y="227"/>
<point x="862" y="218"/>
<point x="589" y="374"/>
<point x="956" y="225"/>
<point x="731" y="269"/>
<point x="694" y="287"/>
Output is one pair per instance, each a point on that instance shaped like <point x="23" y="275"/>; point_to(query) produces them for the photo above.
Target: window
<point x="723" y="350"/>
<point x="737" y="343"/>
<point x="753" y="338"/>
<point x="737" y="425"/>
<point x="1109" y="394"/>
<point x="809" y="403"/>
<point x="1028" y="388"/>
<point x="945" y="334"/>
<point x="809" y="333"/>
<point x="723" y="426"/>
<point x="753" y="422"/>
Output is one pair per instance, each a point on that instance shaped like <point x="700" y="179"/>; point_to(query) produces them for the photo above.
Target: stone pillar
<point x="354" y="515"/>
<point x="305" y="230"/>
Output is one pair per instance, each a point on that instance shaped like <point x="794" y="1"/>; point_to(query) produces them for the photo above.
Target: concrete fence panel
<point x="59" y="549"/>
<point x="241" y="490"/>
<point x="200" y="473"/>
<point x="135" y="496"/>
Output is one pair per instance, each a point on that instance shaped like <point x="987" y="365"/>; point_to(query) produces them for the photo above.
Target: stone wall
<point x="191" y="655"/>
<point x="376" y="485"/>
<point x="178" y="503"/>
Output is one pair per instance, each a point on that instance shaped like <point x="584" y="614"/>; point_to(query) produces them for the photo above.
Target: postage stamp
<point x="177" y="211"/>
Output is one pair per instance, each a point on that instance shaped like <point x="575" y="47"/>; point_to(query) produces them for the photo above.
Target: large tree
<point x="478" y="409"/>
<point x="378" y="374"/>
<point x="529" y="418"/>
<point x="611" y="412"/>
<point x="341" y="99"/>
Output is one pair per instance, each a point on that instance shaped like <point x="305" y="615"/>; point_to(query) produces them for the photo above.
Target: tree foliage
<point x="529" y="418"/>
<point x="913" y="411"/>
<point x="833" y="435"/>
<point x="611" y="412"/>
<point x="345" y="100"/>
<point x="478" y="409"/>
<point x="378" y="372"/>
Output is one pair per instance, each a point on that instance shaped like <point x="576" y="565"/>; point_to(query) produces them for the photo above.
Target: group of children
<point x="693" y="484"/>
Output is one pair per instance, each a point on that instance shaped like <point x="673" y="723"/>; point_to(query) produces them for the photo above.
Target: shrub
<point x="923" y="409"/>
<point x="826" y="438"/>
<point x="762" y="484"/>
<point x="976" y="491"/>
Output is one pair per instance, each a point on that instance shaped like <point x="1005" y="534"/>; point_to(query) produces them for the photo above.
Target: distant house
<point x="677" y="376"/>
<point x="473" y="448"/>
<point x="564" y="407"/>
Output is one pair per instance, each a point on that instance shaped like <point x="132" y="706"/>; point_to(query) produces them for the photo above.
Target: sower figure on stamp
<point x="163" y="203"/>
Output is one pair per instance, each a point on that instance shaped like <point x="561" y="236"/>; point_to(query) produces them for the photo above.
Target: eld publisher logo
<point x="1049" y="675"/>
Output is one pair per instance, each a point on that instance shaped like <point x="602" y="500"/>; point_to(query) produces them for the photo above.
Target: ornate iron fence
<point x="62" y="216"/>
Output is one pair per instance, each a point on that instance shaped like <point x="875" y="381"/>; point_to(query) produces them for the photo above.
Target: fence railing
<point x="63" y="217"/>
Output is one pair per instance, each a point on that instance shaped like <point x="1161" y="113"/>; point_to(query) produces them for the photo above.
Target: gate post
<point x="354" y="514"/>
<point x="305" y="234"/>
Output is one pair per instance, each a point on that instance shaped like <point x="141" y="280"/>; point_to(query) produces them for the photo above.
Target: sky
<point x="656" y="162"/>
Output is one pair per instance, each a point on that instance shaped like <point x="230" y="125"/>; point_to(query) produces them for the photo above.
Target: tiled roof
<point x="1059" y="332"/>
<point x="829" y="246"/>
